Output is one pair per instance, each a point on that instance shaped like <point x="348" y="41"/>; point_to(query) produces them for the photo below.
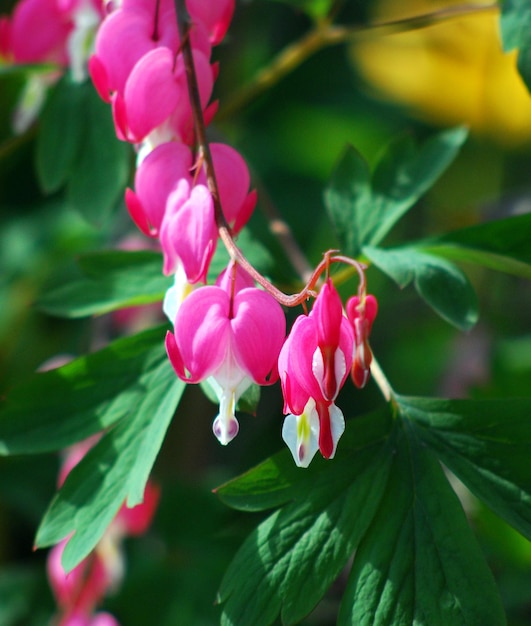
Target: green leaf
<point x="486" y="444"/>
<point x="501" y="245"/>
<point x="289" y="561"/>
<point x="108" y="281"/>
<point x="440" y="283"/>
<point x="56" y="409"/>
<point x="61" y="133"/>
<point x="362" y="212"/>
<point x="515" y="26"/>
<point x="114" y="471"/>
<point x="348" y="201"/>
<point x="419" y="564"/>
<point x="515" y="23"/>
<point x="100" y="174"/>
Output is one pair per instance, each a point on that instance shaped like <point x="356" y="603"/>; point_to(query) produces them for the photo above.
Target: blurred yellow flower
<point x="450" y="73"/>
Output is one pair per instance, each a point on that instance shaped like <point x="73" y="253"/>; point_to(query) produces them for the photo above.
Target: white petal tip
<point x="225" y="430"/>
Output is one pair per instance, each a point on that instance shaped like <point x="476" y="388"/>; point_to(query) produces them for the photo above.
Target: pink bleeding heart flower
<point x="5" y="37"/>
<point x="84" y="587"/>
<point x="361" y="312"/>
<point x="39" y="30"/>
<point x="232" y="176"/>
<point x="160" y="77"/>
<point x="98" y="619"/>
<point x="156" y="177"/>
<point x="129" y="33"/>
<point x="65" y="38"/>
<point x="215" y="15"/>
<point x="313" y="366"/>
<point x="188" y="232"/>
<point x="232" y="338"/>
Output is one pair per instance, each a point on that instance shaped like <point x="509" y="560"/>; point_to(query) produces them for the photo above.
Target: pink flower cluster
<point x="138" y="68"/>
<point x="231" y="333"/>
<point x="81" y="591"/>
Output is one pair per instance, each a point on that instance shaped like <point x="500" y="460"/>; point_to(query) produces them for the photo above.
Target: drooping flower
<point x="188" y="232"/>
<point x="361" y="312"/>
<point x="313" y="366"/>
<point x="230" y="336"/>
<point x="156" y="177"/>
<point x="232" y="176"/>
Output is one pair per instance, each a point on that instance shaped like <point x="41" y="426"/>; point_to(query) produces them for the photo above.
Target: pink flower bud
<point x="361" y="313"/>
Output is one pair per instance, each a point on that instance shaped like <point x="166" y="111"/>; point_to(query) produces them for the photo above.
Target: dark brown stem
<point x="204" y="156"/>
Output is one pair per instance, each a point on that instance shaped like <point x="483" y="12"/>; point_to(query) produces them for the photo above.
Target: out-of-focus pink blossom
<point x="53" y="31"/>
<point x="79" y="592"/>
<point x="98" y="619"/>
<point x="234" y="338"/>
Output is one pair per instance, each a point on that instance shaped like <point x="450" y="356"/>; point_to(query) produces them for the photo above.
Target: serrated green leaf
<point x="515" y="23"/>
<point x="364" y="211"/>
<point x="289" y="561"/>
<point x="108" y="281"/>
<point x="114" y="471"/>
<point x="62" y="132"/>
<point x="501" y="245"/>
<point x="485" y="443"/>
<point x="419" y="564"/>
<point x="440" y="283"/>
<point x="56" y="409"/>
<point x="100" y="174"/>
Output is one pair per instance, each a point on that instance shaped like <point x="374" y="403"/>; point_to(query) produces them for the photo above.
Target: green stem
<point x="325" y="34"/>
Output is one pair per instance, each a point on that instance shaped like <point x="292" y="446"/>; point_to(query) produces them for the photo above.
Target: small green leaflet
<point x="515" y="26"/>
<point x="486" y="444"/>
<point x="56" y="409"/>
<point x="114" y="471"/>
<point x="61" y="133"/>
<point x="440" y="283"/>
<point x="102" y="170"/>
<point x="108" y="281"/>
<point x="77" y="147"/>
<point x="501" y="245"/>
<point x="363" y="211"/>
